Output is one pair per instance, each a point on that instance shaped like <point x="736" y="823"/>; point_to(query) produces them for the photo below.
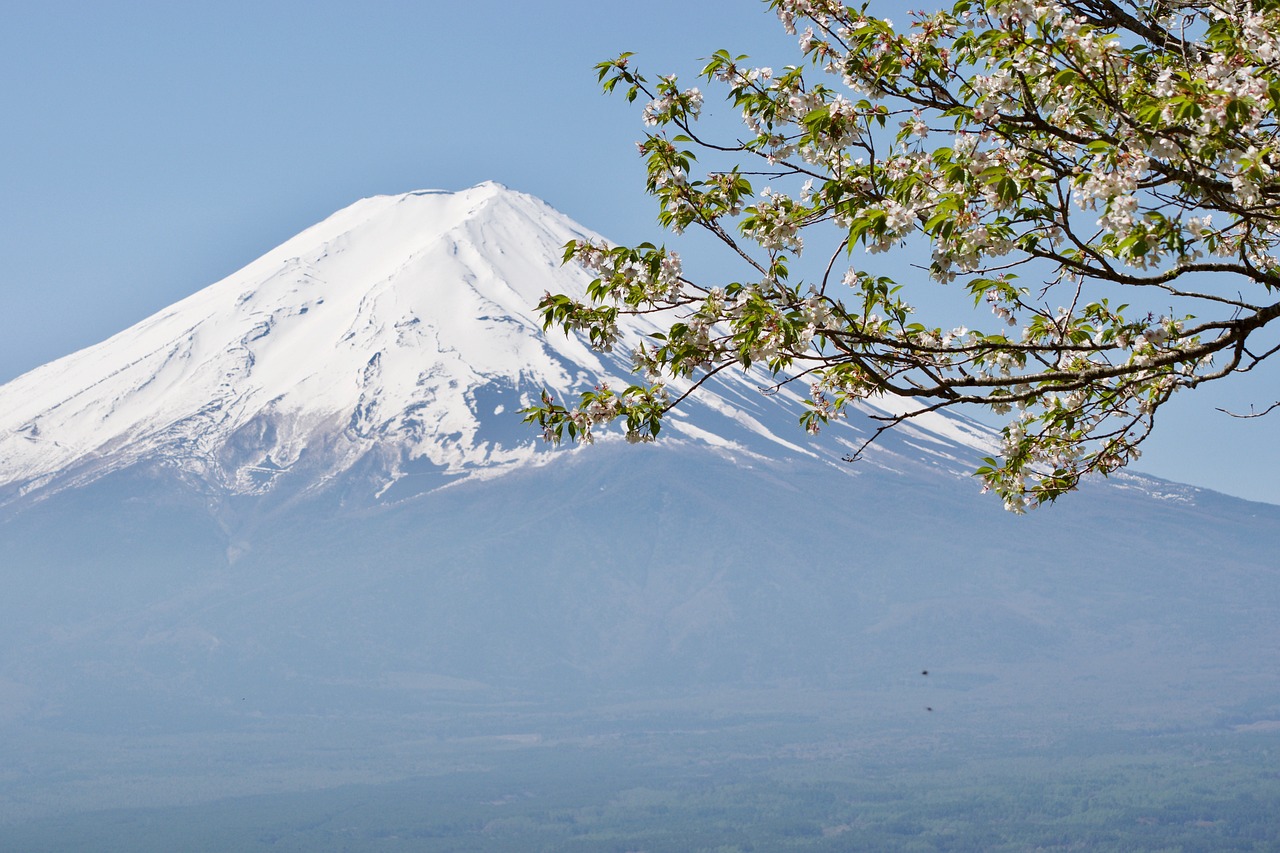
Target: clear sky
<point x="151" y="148"/>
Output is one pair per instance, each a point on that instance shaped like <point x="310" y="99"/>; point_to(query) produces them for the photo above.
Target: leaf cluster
<point x="1108" y="153"/>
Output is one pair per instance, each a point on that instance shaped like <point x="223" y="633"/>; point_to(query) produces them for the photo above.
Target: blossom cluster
<point x="1089" y="148"/>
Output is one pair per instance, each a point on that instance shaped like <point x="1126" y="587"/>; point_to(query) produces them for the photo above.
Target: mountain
<point x="397" y="338"/>
<point x="391" y="329"/>
<point x="300" y="503"/>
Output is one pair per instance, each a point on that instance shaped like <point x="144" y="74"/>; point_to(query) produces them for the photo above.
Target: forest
<point x="709" y="790"/>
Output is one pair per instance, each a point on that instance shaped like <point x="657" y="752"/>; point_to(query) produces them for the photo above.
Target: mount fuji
<point x="301" y="501"/>
<point x="398" y="337"/>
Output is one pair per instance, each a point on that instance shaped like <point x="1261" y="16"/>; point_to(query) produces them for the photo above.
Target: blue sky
<point x="152" y="148"/>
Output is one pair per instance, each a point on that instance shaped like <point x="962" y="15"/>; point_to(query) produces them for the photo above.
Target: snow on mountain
<point x="401" y="330"/>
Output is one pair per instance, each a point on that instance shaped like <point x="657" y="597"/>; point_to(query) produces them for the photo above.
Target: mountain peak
<point x="398" y="337"/>
<point x="408" y="318"/>
<point x="484" y="189"/>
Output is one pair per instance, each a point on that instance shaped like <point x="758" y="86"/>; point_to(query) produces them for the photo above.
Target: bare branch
<point x="1252" y="414"/>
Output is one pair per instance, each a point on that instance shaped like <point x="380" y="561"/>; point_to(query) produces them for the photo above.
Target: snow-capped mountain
<point x="399" y="335"/>
<point x="196" y="561"/>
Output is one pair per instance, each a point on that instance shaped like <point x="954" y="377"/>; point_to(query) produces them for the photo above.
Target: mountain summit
<point x="398" y="337"/>
<point x="400" y="320"/>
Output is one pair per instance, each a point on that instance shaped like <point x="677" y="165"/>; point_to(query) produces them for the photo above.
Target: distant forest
<point x="1184" y="793"/>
